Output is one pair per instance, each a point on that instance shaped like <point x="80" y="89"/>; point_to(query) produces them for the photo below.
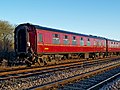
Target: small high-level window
<point x="65" y="37"/>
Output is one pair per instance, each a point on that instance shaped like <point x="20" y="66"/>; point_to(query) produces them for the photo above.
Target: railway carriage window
<point x="88" y="42"/>
<point x="65" y="37"/>
<point x="95" y="43"/>
<point x="74" y="40"/>
<point x="105" y="43"/>
<point x="102" y="43"/>
<point x="99" y="43"/>
<point x="56" y="36"/>
<point x="65" y="40"/>
<point x="81" y="41"/>
<point x="116" y="44"/>
<point x="40" y="38"/>
<point x="112" y="44"/>
<point x="56" y="39"/>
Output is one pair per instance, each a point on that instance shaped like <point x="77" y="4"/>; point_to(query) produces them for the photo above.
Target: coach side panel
<point x="56" y="42"/>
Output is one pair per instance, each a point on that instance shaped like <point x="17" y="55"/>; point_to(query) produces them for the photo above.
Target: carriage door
<point x="21" y="40"/>
<point x="32" y="40"/>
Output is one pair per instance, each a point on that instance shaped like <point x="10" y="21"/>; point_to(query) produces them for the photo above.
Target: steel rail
<point x="7" y="69"/>
<point x="61" y="82"/>
<point x="33" y="71"/>
<point x="100" y="84"/>
<point x="82" y="63"/>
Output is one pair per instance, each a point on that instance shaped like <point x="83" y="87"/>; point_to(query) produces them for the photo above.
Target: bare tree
<point x="6" y="36"/>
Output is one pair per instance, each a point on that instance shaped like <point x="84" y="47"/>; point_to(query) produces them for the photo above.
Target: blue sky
<point x="95" y="17"/>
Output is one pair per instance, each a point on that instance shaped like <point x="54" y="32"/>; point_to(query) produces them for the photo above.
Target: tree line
<point x="6" y="36"/>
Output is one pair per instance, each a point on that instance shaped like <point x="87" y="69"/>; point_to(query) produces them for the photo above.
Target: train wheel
<point x="28" y="63"/>
<point x="45" y="60"/>
<point x="41" y="62"/>
<point x="64" y="58"/>
<point x="56" y="61"/>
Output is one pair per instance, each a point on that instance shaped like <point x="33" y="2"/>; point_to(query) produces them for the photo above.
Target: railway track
<point x="55" y="71"/>
<point x="95" y="82"/>
<point x="107" y="80"/>
<point x="27" y="71"/>
<point x="60" y="83"/>
<point x="15" y="68"/>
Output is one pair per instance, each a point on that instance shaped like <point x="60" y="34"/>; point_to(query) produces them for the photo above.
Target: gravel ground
<point x="25" y="83"/>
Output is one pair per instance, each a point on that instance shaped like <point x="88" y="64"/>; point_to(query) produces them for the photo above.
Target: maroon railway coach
<point x="48" y="42"/>
<point x="113" y="47"/>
